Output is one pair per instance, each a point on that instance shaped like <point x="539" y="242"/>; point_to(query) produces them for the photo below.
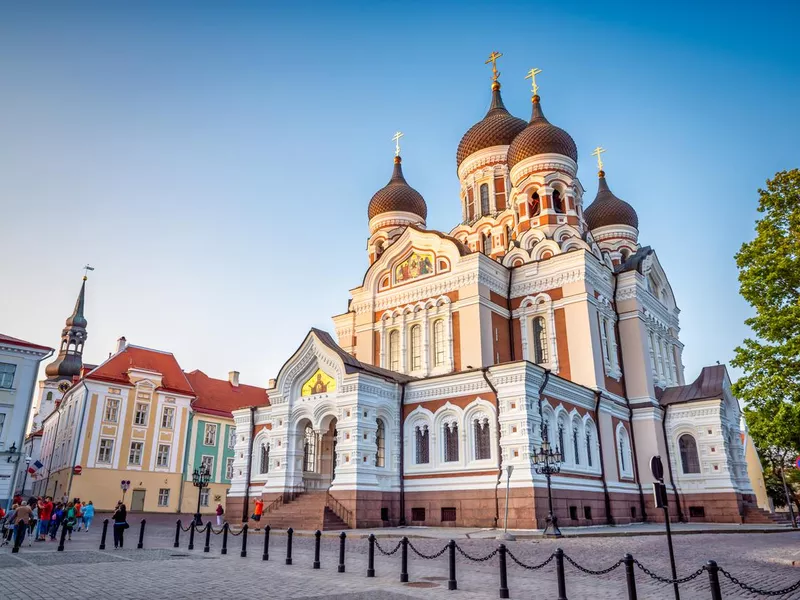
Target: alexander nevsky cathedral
<point x="540" y="318"/>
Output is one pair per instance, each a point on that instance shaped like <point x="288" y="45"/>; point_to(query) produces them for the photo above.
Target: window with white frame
<point x="162" y="456"/>
<point x="135" y="455"/>
<point x="624" y="455"/>
<point x="690" y="460"/>
<point x="111" y="412"/>
<point x="483" y="444"/>
<point x="576" y="445"/>
<point x="210" y="435"/>
<point x="394" y="350"/>
<point x="264" y="464"/>
<point x="591" y="444"/>
<point x="205" y="494"/>
<point x="438" y="343"/>
<point x="416" y="348"/>
<point x="163" y="497"/>
<point x="168" y="417"/>
<point x="450" y="435"/>
<point x="231" y="438"/>
<point x="207" y="464"/>
<point x="229" y="468"/>
<point x="540" y="354"/>
<point x="421" y="456"/>
<point x="2" y="423"/>
<point x="140" y="416"/>
<point x="309" y="449"/>
<point x="105" y="451"/>
<point x="380" y="444"/>
<point x="7" y="371"/>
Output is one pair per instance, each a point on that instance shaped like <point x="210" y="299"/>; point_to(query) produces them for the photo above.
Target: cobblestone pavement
<point x="161" y="571"/>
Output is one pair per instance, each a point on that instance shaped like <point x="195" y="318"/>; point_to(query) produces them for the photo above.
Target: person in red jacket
<point x="220" y="512"/>
<point x="45" y="512"/>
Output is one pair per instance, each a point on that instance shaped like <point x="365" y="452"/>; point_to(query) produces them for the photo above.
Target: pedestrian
<point x="258" y="510"/>
<point x="88" y="514"/>
<point x="69" y="519"/>
<point x="45" y="512"/>
<point x="120" y="524"/>
<point x="17" y="499"/>
<point x="78" y="513"/>
<point x="8" y="524"/>
<point x="220" y="512"/>
<point x="56" y="517"/>
<point x="22" y="520"/>
<point x="64" y="499"/>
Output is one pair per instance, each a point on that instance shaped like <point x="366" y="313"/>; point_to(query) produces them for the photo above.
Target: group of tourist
<point x="42" y="518"/>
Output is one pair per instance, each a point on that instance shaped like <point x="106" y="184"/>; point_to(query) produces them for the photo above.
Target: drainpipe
<point x="78" y="438"/>
<point x="541" y="429"/>
<point x="484" y="370"/>
<point x="402" y="521"/>
<point x="627" y="401"/>
<point x="246" y="509"/>
<point x="510" y="319"/>
<point x="186" y="449"/>
<point x="52" y="450"/>
<point x="606" y="497"/>
<point x="669" y="465"/>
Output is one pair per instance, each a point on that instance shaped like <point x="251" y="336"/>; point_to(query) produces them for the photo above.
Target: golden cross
<point x="396" y="139"/>
<point x="532" y="76"/>
<point x="597" y="152"/>
<point x="493" y="59"/>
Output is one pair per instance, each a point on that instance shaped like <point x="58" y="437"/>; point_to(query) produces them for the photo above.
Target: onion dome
<point x="607" y="209"/>
<point x="397" y="196"/>
<point x="540" y="137"/>
<point x="498" y="128"/>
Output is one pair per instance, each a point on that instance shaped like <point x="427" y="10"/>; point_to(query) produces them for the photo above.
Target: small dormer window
<point x="535" y="205"/>
<point x="487" y="243"/>
<point x="484" y="189"/>
<point x="558" y="203"/>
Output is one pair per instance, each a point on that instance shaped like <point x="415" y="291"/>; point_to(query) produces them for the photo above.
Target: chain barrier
<point x="234" y="533"/>
<point x="214" y="531"/>
<point x="591" y="572"/>
<point x="530" y="567"/>
<point x="186" y="529"/>
<point x="752" y="590"/>
<point x="429" y="557"/>
<point x="473" y="559"/>
<point x="657" y="577"/>
<point x="384" y="552"/>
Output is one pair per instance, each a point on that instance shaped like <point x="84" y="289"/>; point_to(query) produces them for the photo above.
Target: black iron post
<point x="265" y="554"/>
<point x="318" y="536"/>
<point x="629" y="576"/>
<point x="452" y="584"/>
<point x="177" y="542"/>
<point x="404" y="560"/>
<point x="225" y="528"/>
<point x="371" y="564"/>
<point x="103" y="535"/>
<point x="547" y="462"/>
<point x="191" y="535"/>
<point x="62" y="538"/>
<point x="289" y="534"/>
<point x="140" y="545"/>
<point x="17" y="539"/>
<point x="200" y="479"/>
<point x="562" y="585"/>
<point x="713" y="580"/>
<point x="207" y="547"/>
<point x="342" y="538"/>
<point x="243" y="553"/>
<point x="671" y="554"/>
<point x="197" y="520"/>
<point x="503" y="573"/>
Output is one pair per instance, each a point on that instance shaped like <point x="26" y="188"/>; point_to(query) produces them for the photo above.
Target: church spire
<point x="70" y="354"/>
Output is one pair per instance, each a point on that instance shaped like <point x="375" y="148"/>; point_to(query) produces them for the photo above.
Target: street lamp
<point x="25" y="477"/>
<point x="547" y="462"/>
<point x="200" y="479"/>
<point x="124" y="485"/>
<point x="12" y="456"/>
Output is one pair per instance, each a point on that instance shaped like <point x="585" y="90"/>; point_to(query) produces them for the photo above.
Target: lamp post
<point x="25" y="476"/>
<point x="200" y="479"/>
<point x="547" y="462"/>
<point x="124" y="485"/>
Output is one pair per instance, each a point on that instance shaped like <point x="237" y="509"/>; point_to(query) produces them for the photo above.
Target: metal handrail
<point x="339" y="509"/>
<point x="274" y="504"/>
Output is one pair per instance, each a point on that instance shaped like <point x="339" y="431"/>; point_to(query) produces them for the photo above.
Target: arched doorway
<point x="319" y="454"/>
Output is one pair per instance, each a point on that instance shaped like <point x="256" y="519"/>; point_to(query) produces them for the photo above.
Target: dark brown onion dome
<point x="607" y="209"/>
<point x="498" y="128"/>
<point x="540" y="137"/>
<point x="397" y="195"/>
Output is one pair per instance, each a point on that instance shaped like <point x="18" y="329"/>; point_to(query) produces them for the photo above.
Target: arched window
<point x="394" y="350"/>
<point x="264" y="466"/>
<point x="589" y="446"/>
<point x="535" y="205"/>
<point x="421" y="439"/>
<point x="540" y="342"/>
<point x="470" y="205"/>
<point x="416" y="348"/>
<point x="380" y="445"/>
<point x="558" y="203"/>
<point x="482" y="440"/>
<point x="624" y="452"/>
<point x="309" y="448"/>
<point x="450" y="442"/>
<point x="509" y="233"/>
<point x="484" y="199"/>
<point x="487" y="243"/>
<point x="561" y="444"/>
<point x="378" y="248"/>
<point x="438" y="343"/>
<point x="49" y="396"/>
<point x="576" y="449"/>
<point x="690" y="461"/>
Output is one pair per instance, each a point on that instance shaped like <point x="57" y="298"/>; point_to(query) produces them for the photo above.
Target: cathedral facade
<point x="540" y="317"/>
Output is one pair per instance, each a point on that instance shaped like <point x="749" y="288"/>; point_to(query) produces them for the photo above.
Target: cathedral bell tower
<point x="70" y="354"/>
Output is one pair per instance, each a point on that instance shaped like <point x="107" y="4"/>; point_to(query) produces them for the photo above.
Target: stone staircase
<point x="754" y="514"/>
<point x="307" y="512"/>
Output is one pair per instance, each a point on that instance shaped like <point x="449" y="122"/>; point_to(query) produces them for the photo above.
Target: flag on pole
<point x="35" y="467"/>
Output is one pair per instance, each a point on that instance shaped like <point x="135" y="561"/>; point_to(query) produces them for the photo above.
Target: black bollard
<point x="224" y="539"/>
<point x="318" y="536"/>
<point x="207" y="547"/>
<point x="562" y="585"/>
<point x="177" y="542"/>
<point x="452" y="584"/>
<point x="503" y="573"/>
<point x="243" y="553"/>
<point x="63" y="537"/>
<point x="342" y="538"/>
<point x="629" y="576"/>
<point x="713" y="580"/>
<point x="289" y="534"/>
<point x="404" y="560"/>
<point x="140" y="545"/>
<point x="265" y="555"/>
<point x="17" y="539"/>
<point x="191" y="535"/>
<point x="371" y="565"/>
<point x="103" y="536"/>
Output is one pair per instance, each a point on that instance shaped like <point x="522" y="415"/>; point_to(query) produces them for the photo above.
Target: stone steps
<point x="306" y="512"/>
<point x="758" y="515"/>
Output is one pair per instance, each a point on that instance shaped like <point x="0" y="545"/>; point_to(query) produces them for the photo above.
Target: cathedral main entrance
<point x="319" y="454"/>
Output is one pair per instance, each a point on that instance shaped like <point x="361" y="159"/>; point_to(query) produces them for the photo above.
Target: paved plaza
<point x="82" y="571"/>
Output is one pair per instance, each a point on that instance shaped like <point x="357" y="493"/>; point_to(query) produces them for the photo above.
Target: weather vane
<point x="86" y="270"/>
<point x="396" y="139"/>
<point x="597" y="152"/>
<point x="493" y="59"/>
<point x="532" y="76"/>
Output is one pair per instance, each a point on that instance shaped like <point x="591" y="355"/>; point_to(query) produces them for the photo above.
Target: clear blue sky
<point x="214" y="161"/>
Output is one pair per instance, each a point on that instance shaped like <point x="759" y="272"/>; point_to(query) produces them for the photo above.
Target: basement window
<point x="385" y="514"/>
<point x="697" y="512"/>
<point x="587" y="512"/>
<point x="633" y="512"/>
<point x="573" y="513"/>
<point x="418" y="514"/>
<point x="448" y="514"/>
